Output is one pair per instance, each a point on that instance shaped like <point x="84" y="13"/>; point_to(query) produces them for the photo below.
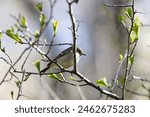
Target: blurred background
<point x="100" y="37"/>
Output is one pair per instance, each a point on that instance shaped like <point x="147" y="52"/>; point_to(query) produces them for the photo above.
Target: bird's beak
<point x="83" y="54"/>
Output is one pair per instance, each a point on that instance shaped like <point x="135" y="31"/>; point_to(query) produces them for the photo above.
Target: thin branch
<point x="50" y="46"/>
<point x="20" y="86"/>
<point x="141" y="79"/>
<point x="47" y="44"/>
<point x="112" y="95"/>
<point x="7" y="56"/>
<point x="5" y="76"/>
<point x="52" y="4"/>
<point x="7" y="62"/>
<point x="74" y="32"/>
<point x="127" y="72"/>
<point x="88" y="82"/>
<point x="136" y="93"/>
<point x="118" y="71"/>
<point x="26" y="59"/>
<point x="121" y="5"/>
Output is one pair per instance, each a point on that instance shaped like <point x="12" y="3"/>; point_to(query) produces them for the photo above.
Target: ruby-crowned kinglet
<point x="65" y="59"/>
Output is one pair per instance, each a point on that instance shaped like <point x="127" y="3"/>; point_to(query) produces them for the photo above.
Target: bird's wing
<point x="60" y="55"/>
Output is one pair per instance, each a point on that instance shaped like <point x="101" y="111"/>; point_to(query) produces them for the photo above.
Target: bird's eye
<point x="79" y="51"/>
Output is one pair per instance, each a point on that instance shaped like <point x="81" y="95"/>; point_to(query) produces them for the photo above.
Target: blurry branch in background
<point x="138" y="94"/>
<point x="132" y="39"/>
<point x="132" y="31"/>
<point x="140" y="79"/>
<point x="115" y="79"/>
<point x="143" y="81"/>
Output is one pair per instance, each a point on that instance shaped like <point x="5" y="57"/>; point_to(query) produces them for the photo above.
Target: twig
<point x="118" y="71"/>
<point x="121" y="5"/>
<point x="20" y="86"/>
<point x="8" y="57"/>
<point x="88" y="82"/>
<point x="5" y="76"/>
<point x="52" y="4"/>
<point x="47" y="44"/>
<point x="74" y="32"/>
<point x="136" y="93"/>
<point x="26" y="59"/>
<point x="142" y="79"/>
<point x="112" y="95"/>
<point x="50" y="46"/>
<point x="127" y="72"/>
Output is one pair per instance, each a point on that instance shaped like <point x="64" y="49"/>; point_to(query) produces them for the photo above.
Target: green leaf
<point x="12" y="94"/>
<point x="129" y="12"/>
<point x="12" y="29"/>
<point x="121" y="19"/>
<point x="102" y="82"/>
<point x="36" y="34"/>
<point x="136" y="25"/>
<point x="109" y="85"/>
<point x="72" y="78"/>
<point x="39" y="6"/>
<point x="131" y="59"/>
<point x="42" y="20"/>
<point x="117" y="82"/>
<point x="0" y="34"/>
<point x="120" y="58"/>
<point x="54" y="76"/>
<point x="17" y="83"/>
<point x="120" y="80"/>
<point x="13" y="36"/>
<point x="61" y="76"/>
<point x="37" y="64"/>
<point x="23" y="22"/>
<point x="135" y="30"/>
<point x="55" y="26"/>
<point x="133" y="37"/>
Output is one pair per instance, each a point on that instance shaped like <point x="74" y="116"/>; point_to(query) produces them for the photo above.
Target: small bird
<point x="65" y="59"/>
